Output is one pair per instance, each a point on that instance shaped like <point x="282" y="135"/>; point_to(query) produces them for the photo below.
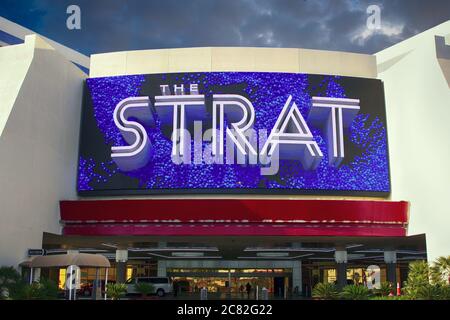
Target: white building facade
<point x="41" y="93"/>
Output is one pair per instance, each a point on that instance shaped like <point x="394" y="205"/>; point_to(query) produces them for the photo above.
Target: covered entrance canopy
<point x="64" y="260"/>
<point x="306" y="248"/>
<point x="203" y="235"/>
<point x="302" y="261"/>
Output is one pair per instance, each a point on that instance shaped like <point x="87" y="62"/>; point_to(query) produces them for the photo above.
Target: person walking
<point x="241" y="290"/>
<point x="248" y="288"/>
<point x="175" y="288"/>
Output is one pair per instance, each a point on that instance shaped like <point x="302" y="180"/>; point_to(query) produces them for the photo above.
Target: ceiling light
<point x="188" y="254"/>
<point x="272" y="254"/>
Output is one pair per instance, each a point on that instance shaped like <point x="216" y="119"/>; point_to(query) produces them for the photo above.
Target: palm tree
<point x="116" y="290"/>
<point x="440" y="271"/>
<point x="325" y="291"/>
<point x="354" y="292"/>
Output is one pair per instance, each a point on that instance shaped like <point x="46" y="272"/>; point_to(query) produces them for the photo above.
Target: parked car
<point x="86" y="289"/>
<point x="161" y="285"/>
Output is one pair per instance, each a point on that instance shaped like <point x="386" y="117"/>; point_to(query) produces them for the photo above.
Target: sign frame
<point x="236" y="191"/>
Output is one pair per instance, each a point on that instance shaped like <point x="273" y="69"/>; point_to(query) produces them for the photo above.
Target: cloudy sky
<point x="115" y="25"/>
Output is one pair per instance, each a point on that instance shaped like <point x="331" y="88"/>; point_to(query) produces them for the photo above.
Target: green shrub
<point x="418" y="284"/>
<point x="32" y="291"/>
<point x="429" y="292"/>
<point x="354" y="292"/>
<point x="384" y="290"/>
<point x="12" y="286"/>
<point x="445" y="292"/>
<point x="11" y="283"/>
<point x="418" y="279"/>
<point x="116" y="290"/>
<point x="49" y="289"/>
<point x="43" y="290"/>
<point x="325" y="291"/>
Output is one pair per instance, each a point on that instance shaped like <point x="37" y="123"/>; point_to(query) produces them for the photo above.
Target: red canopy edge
<point x="234" y="217"/>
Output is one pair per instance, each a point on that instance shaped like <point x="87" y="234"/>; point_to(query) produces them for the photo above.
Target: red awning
<point x="219" y="217"/>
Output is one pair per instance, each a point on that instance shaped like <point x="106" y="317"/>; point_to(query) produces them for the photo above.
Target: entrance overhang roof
<point x="65" y="260"/>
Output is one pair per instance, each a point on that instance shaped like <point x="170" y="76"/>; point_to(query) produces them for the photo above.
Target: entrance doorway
<point x="233" y="282"/>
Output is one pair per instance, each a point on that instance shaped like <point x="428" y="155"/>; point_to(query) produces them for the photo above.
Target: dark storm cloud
<point x="113" y="25"/>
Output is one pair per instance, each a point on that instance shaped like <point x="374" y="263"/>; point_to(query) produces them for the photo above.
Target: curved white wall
<point x="418" y="112"/>
<point x="216" y="59"/>
<point x="38" y="144"/>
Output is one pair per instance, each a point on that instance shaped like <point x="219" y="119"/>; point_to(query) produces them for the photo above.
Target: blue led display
<point x="365" y="169"/>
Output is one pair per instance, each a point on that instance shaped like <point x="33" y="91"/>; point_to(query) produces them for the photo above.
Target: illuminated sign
<point x="291" y="131"/>
<point x="233" y="132"/>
